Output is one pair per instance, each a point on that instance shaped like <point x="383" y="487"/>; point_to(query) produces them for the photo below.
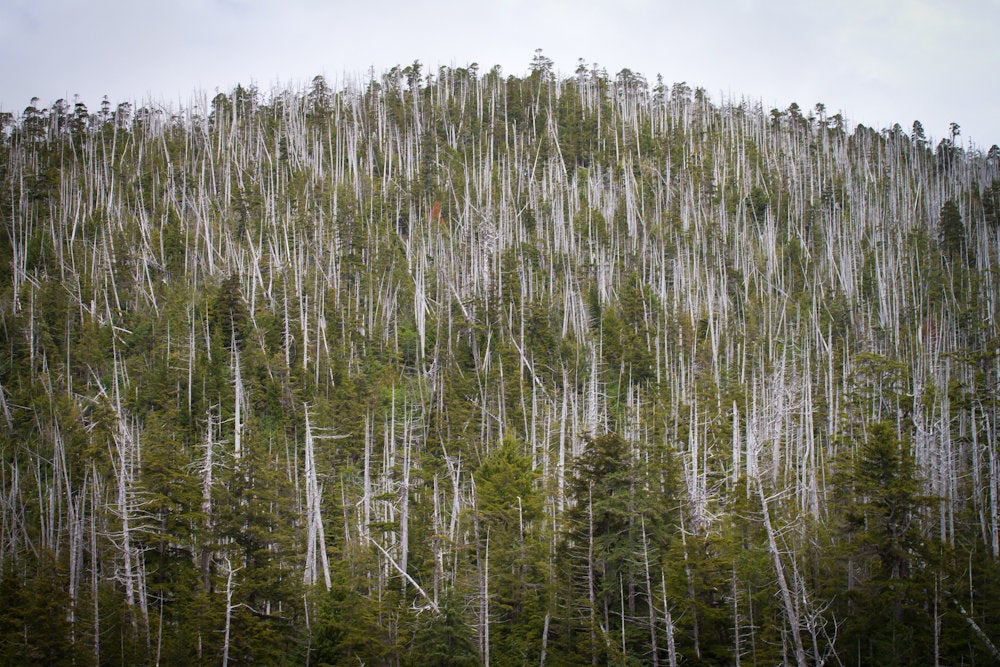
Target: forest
<point x="461" y="368"/>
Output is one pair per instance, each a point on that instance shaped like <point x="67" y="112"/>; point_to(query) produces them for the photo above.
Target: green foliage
<point x="885" y="479"/>
<point x="505" y="490"/>
<point x="346" y="628"/>
<point x="33" y="624"/>
<point x="952" y="230"/>
<point x="625" y="340"/>
<point x="229" y="313"/>
<point x="443" y="639"/>
<point x="757" y="203"/>
<point x="887" y="620"/>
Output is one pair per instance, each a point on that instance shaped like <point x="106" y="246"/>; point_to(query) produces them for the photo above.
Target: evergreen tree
<point x="952" y="230"/>
<point x="886" y="618"/>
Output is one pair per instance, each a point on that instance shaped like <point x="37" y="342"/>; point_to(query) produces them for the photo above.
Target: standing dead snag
<point x="315" y="534"/>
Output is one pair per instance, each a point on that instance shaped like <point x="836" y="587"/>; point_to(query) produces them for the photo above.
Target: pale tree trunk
<point x="75" y="507"/>
<point x="621" y="601"/>
<point x="123" y="473"/>
<point x="994" y="490"/>
<point x="994" y="651"/>
<point x="649" y="596"/>
<point x="545" y="639"/>
<point x="239" y="399"/>
<point x="561" y="467"/>
<point x="229" y="610"/>
<point x="669" y="622"/>
<point x="936" y="622"/>
<point x="94" y="574"/>
<point x="486" y="602"/>
<point x="366" y="500"/>
<point x="206" y="505"/>
<point x="430" y="601"/>
<point x="315" y="535"/>
<point x="404" y="500"/>
<point x="737" y="648"/>
<point x="689" y="576"/>
<point x="591" y="595"/>
<point x="786" y="596"/>
<point x="438" y="530"/>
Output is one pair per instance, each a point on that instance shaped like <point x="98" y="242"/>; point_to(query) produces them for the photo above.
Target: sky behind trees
<point x="878" y="61"/>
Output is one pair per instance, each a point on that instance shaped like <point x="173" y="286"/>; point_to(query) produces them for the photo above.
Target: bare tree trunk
<point x="994" y="651"/>
<point x="315" y="535"/>
<point x="486" y="602"/>
<point x="206" y="506"/>
<point x="669" y="622"/>
<point x="239" y="399"/>
<point x="994" y="463"/>
<point x="786" y="597"/>
<point x="94" y="574"/>
<point x="649" y="596"/>
<point x="124" y="444"/>
<point x="737" y="648"/>
<point x="545" y="639"/>
<point x="366" y="500"/>
<point x="404" y="500"/>
<point x="689" y="576"/>
<point x="229" y="610"/>
<point x="430" y="601"/>
<point x="591" y="595"/>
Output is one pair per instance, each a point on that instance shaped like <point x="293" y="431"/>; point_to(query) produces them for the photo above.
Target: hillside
<point x="471" y="368"/>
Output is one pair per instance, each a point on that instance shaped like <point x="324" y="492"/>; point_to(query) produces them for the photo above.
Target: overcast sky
<point x="878" y="61"/>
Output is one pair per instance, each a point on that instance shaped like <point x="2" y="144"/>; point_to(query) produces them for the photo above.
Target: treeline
<point x="467" y="368"/>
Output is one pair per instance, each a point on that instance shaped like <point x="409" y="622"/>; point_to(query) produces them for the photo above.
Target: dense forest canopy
<point x="464" y="368"/>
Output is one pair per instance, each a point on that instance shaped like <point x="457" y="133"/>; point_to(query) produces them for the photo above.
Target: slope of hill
<point x="513" y="370"/>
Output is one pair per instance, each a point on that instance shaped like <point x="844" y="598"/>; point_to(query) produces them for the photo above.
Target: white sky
<point x="878" y="61"/>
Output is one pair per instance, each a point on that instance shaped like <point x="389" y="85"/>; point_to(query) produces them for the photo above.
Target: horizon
<point x="345" y="80"/>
